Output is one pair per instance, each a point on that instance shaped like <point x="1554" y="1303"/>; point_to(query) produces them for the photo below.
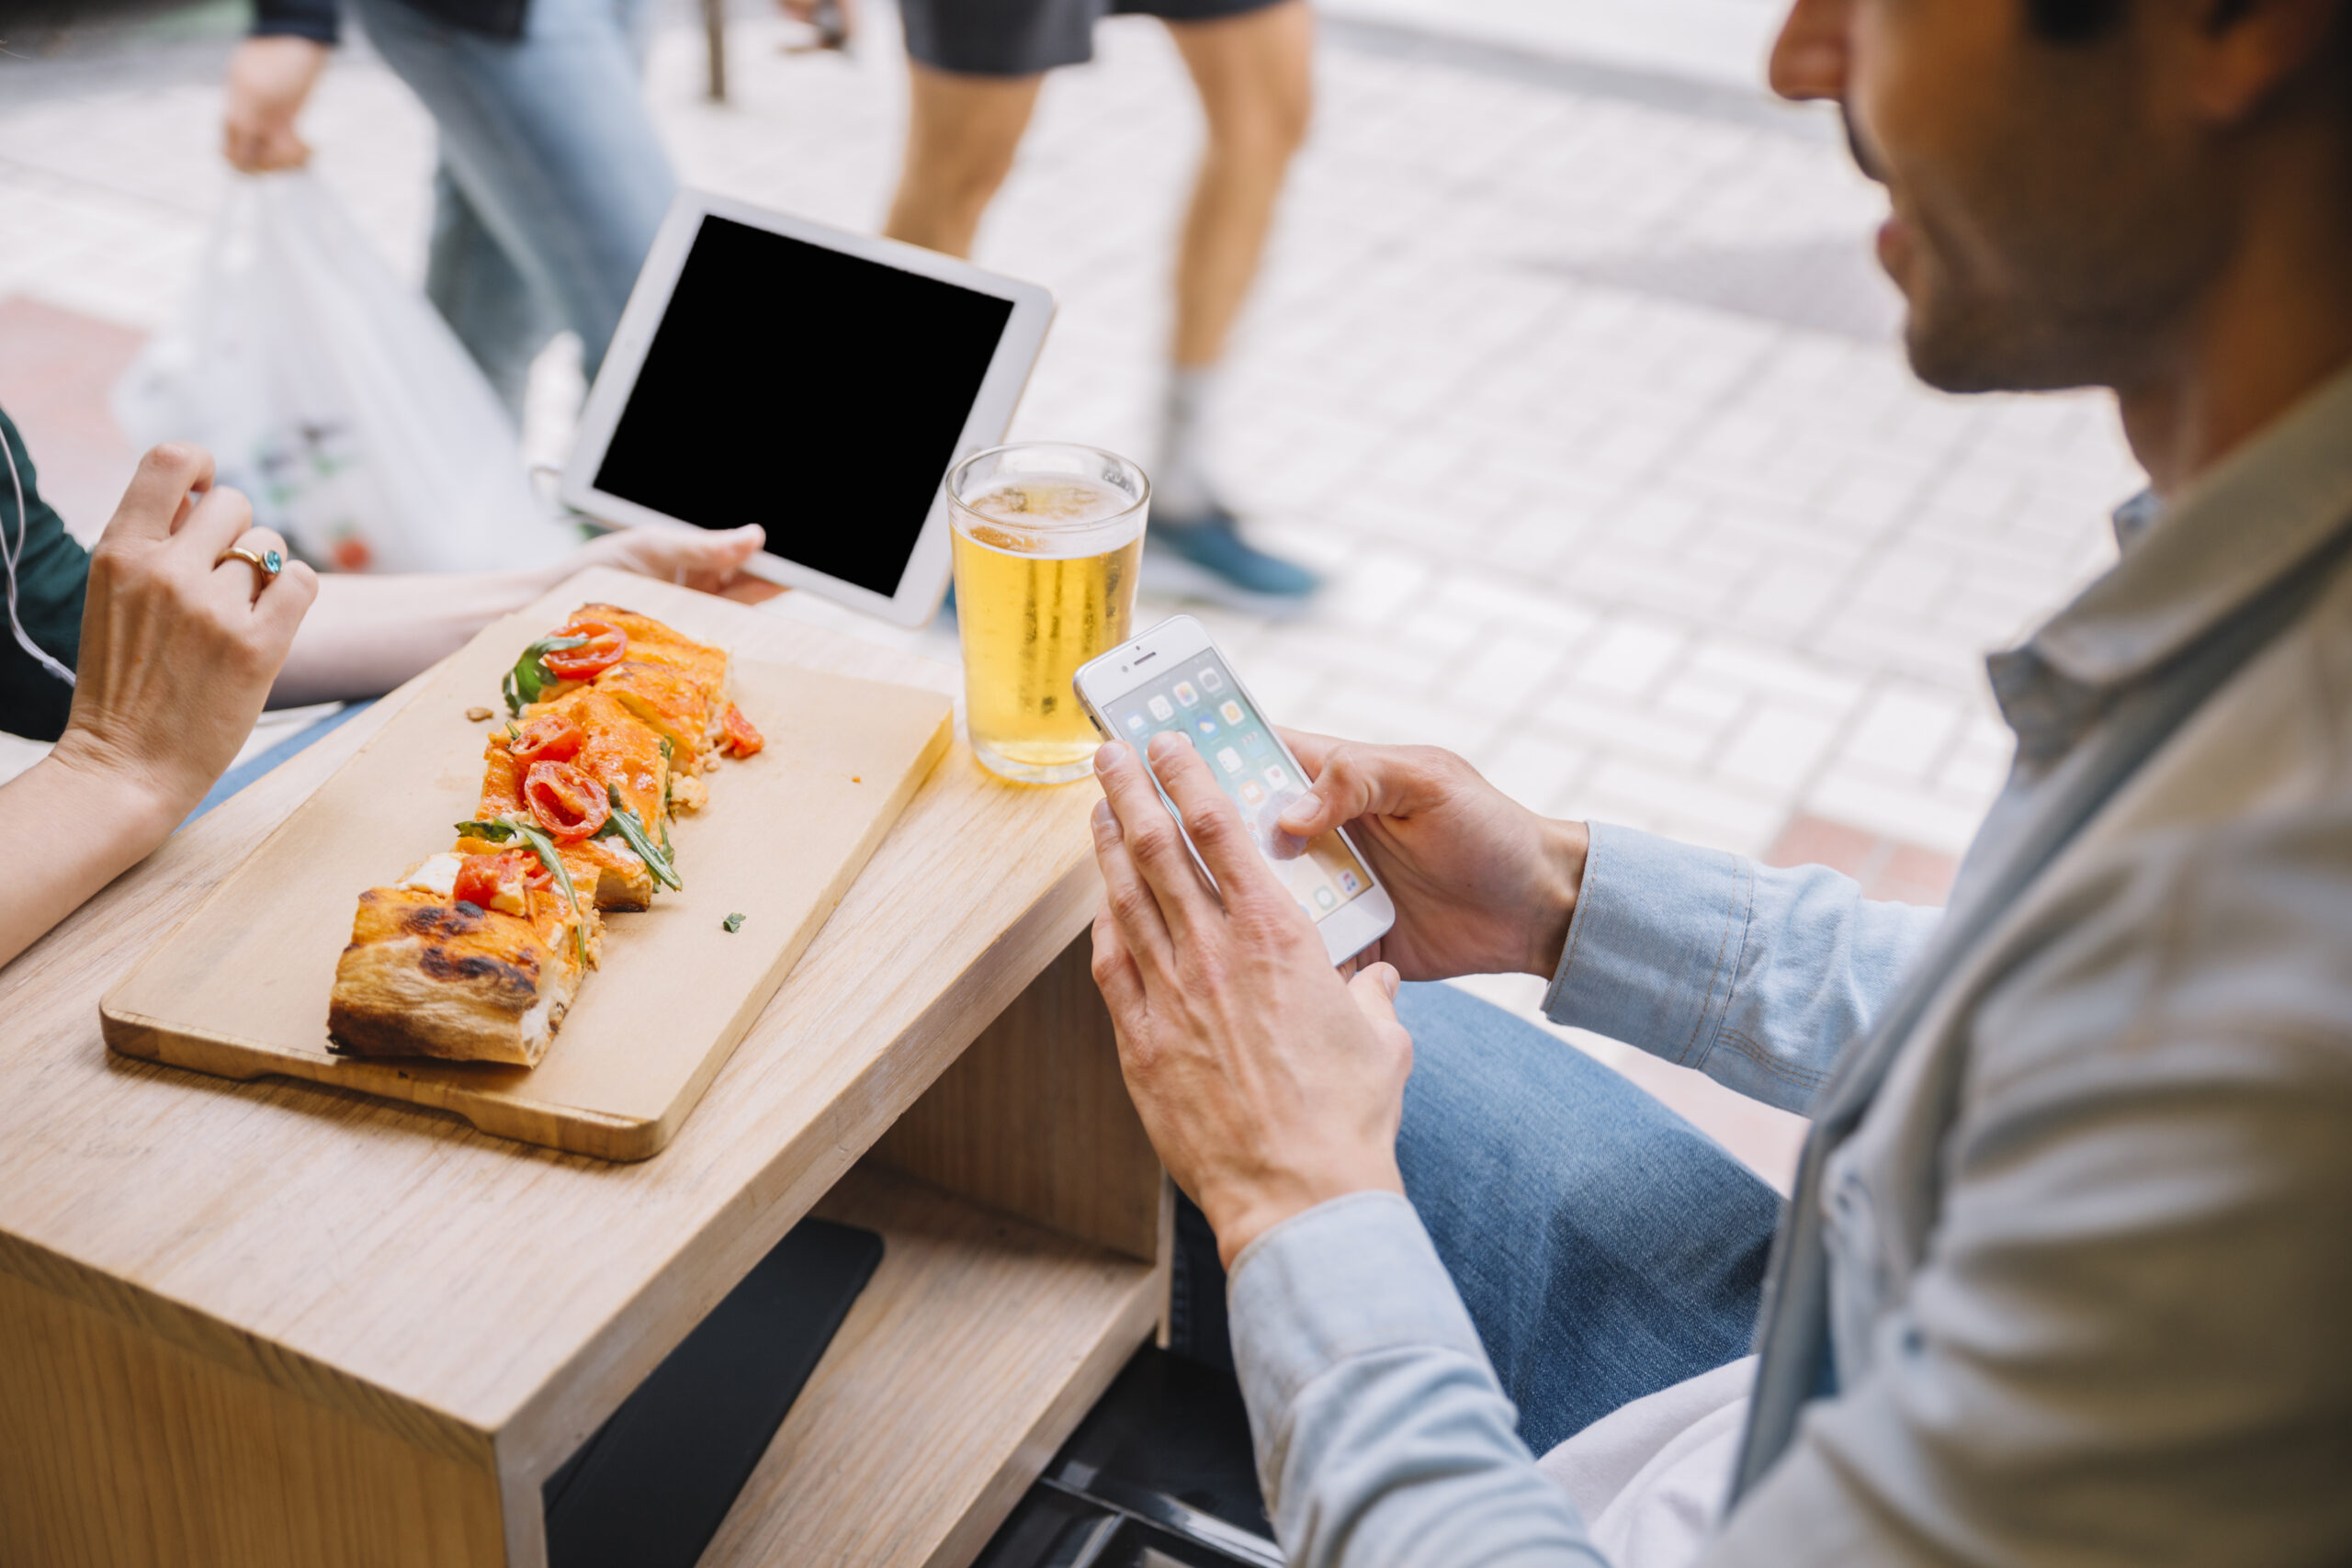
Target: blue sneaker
<point x="1204" y="557"/>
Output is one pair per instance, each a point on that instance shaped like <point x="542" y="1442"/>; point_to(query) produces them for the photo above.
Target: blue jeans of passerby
<point x="551" y="180"/>
<point x="1605" y="1248"/>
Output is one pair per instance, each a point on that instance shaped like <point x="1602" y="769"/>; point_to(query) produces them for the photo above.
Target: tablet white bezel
<point x="924" y="581"/>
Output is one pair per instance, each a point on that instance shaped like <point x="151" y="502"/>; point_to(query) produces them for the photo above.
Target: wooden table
<point x="270" y="1324"/>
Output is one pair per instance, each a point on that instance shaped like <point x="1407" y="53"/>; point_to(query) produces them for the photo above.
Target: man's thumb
<point x="1375" y="990"/>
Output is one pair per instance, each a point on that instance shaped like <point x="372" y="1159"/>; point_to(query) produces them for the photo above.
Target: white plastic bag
<point x="336" y="398"/>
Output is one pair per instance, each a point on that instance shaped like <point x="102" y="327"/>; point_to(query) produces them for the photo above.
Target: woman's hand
<point x="711" y="562"/>
<point x="269" y="81"/>
<point x="178" y="647"/>
<point x="1267" y="1083"/>
<point x="1482" y="885"/>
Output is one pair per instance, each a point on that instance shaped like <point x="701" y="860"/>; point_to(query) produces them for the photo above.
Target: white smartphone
<point x="1172" y="678"/>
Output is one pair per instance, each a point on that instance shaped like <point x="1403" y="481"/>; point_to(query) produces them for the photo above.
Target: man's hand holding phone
<point x="1267" y="1082"/>
<point x="1482" y="885"/>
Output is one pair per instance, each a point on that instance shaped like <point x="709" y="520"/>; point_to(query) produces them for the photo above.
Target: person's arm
<point x="1756" y="977"/>
<point x="1273" y="1089"/>
<point x="271" y="74"/>
<point x="369" y="633"/>
<point x="2126" y="1343"/>
<point x="177" y="650"/>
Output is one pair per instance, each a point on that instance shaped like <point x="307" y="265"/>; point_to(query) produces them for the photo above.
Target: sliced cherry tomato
<point x="742" y="739"/>
<point x="550" y="737"/>
<point x="568" y="802"/>
<point x="605" y="644"/>
<point x="482" y="878"/>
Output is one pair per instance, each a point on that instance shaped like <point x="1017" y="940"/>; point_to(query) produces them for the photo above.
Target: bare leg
<point x="1255" y="80"/>
<point x="961" y="134"/>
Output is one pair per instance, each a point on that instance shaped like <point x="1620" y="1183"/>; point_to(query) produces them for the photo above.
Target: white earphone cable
<point x="9" y="555"/>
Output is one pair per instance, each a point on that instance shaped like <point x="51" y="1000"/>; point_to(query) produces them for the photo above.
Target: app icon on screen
<point x="1350" y="883"/>
<point x="1251" y="794"/>
<point x="1211" y="680"/>
<point x="1185" y="694"/>
<point x="1253" y="744"/>
<point x="1206" y="725"/>
<point x="1232" y="712"/>
<point x="1324" y="899"/>
<point x="1275" y="777"/>
<point x="1134" y="723"/>
<point x="1161" y="710"/>
<point x="1229" y="760"/>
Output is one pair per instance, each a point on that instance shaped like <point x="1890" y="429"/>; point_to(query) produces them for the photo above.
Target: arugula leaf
<point x="669" y="789"/>
<point x="505" y="829"/>
<point x="529" y="677"/>
<point x="623" y="823"/>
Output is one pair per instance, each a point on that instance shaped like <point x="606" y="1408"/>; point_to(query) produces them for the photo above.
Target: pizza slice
<point x="430" y="973"/>
<point x="563" y="767"/>
<point x="680" y="688"/>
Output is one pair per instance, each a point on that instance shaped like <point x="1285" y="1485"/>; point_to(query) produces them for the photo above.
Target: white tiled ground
<point x="1720" y="41"/>
<point x="1585" y="400"/>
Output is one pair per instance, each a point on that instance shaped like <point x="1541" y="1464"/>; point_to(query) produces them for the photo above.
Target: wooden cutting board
<point x="241" y="988"/>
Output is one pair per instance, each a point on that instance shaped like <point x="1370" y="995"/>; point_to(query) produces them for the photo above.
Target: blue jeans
<point x="1605" y="1248"/>
<point x="552" y="181"/>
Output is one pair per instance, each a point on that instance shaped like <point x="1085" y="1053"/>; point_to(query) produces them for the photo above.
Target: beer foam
<point x="1056" y="502"/>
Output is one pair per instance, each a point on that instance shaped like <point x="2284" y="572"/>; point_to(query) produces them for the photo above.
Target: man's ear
<point x="2245" y="54"/>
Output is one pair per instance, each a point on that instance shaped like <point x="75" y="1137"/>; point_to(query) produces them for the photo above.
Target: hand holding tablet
<point x="772" y="370"/>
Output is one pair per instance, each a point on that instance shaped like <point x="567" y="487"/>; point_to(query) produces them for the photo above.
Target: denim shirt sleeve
<point x="1756" y="977"/>
<point x="1382" y="1439"/>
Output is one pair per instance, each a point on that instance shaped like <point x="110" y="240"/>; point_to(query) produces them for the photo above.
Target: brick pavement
<point x="1582" y="391"/>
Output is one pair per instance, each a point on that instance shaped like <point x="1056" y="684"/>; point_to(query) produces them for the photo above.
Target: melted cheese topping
<point x="436" y="876"/>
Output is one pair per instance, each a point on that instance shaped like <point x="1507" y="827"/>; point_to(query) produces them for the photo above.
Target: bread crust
<point x="426" y="976"/>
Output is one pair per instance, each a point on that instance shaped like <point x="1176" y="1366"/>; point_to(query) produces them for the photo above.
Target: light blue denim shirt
<point x="2088" y="1240"/>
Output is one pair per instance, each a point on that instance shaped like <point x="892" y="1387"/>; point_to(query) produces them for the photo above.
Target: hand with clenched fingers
<point x="1267" y="1082"/>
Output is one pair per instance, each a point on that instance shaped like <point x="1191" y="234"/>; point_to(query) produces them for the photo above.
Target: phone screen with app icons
<point x="1199" y="700"/>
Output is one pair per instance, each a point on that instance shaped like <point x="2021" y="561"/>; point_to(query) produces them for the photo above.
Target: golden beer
<point x="1047" y="551"/>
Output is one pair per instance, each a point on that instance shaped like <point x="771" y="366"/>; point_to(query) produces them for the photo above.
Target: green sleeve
<point x="52" y="575"/>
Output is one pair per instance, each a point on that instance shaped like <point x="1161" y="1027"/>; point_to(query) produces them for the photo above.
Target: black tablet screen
<point x="817" y="394"/>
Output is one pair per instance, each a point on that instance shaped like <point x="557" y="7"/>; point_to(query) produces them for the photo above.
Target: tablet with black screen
<point x="817" y="382"/>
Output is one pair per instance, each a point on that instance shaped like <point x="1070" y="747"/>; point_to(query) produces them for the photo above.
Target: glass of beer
<point x="1047" y="539"/>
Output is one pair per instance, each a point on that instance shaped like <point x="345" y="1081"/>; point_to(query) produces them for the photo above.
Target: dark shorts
<point x="1022" y="38"/>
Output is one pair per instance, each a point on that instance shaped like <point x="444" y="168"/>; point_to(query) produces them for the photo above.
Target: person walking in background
<point x="552" y="181"/>
<point x="975" y="67"/>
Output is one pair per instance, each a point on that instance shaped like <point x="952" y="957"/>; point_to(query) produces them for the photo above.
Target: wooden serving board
<point x="241" y="988"/>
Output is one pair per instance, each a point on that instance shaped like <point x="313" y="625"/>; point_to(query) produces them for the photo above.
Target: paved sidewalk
<point x="1578" y="382"/>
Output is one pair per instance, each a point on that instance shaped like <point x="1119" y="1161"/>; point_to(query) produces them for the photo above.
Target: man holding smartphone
<point x="2065" y="1274"/>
